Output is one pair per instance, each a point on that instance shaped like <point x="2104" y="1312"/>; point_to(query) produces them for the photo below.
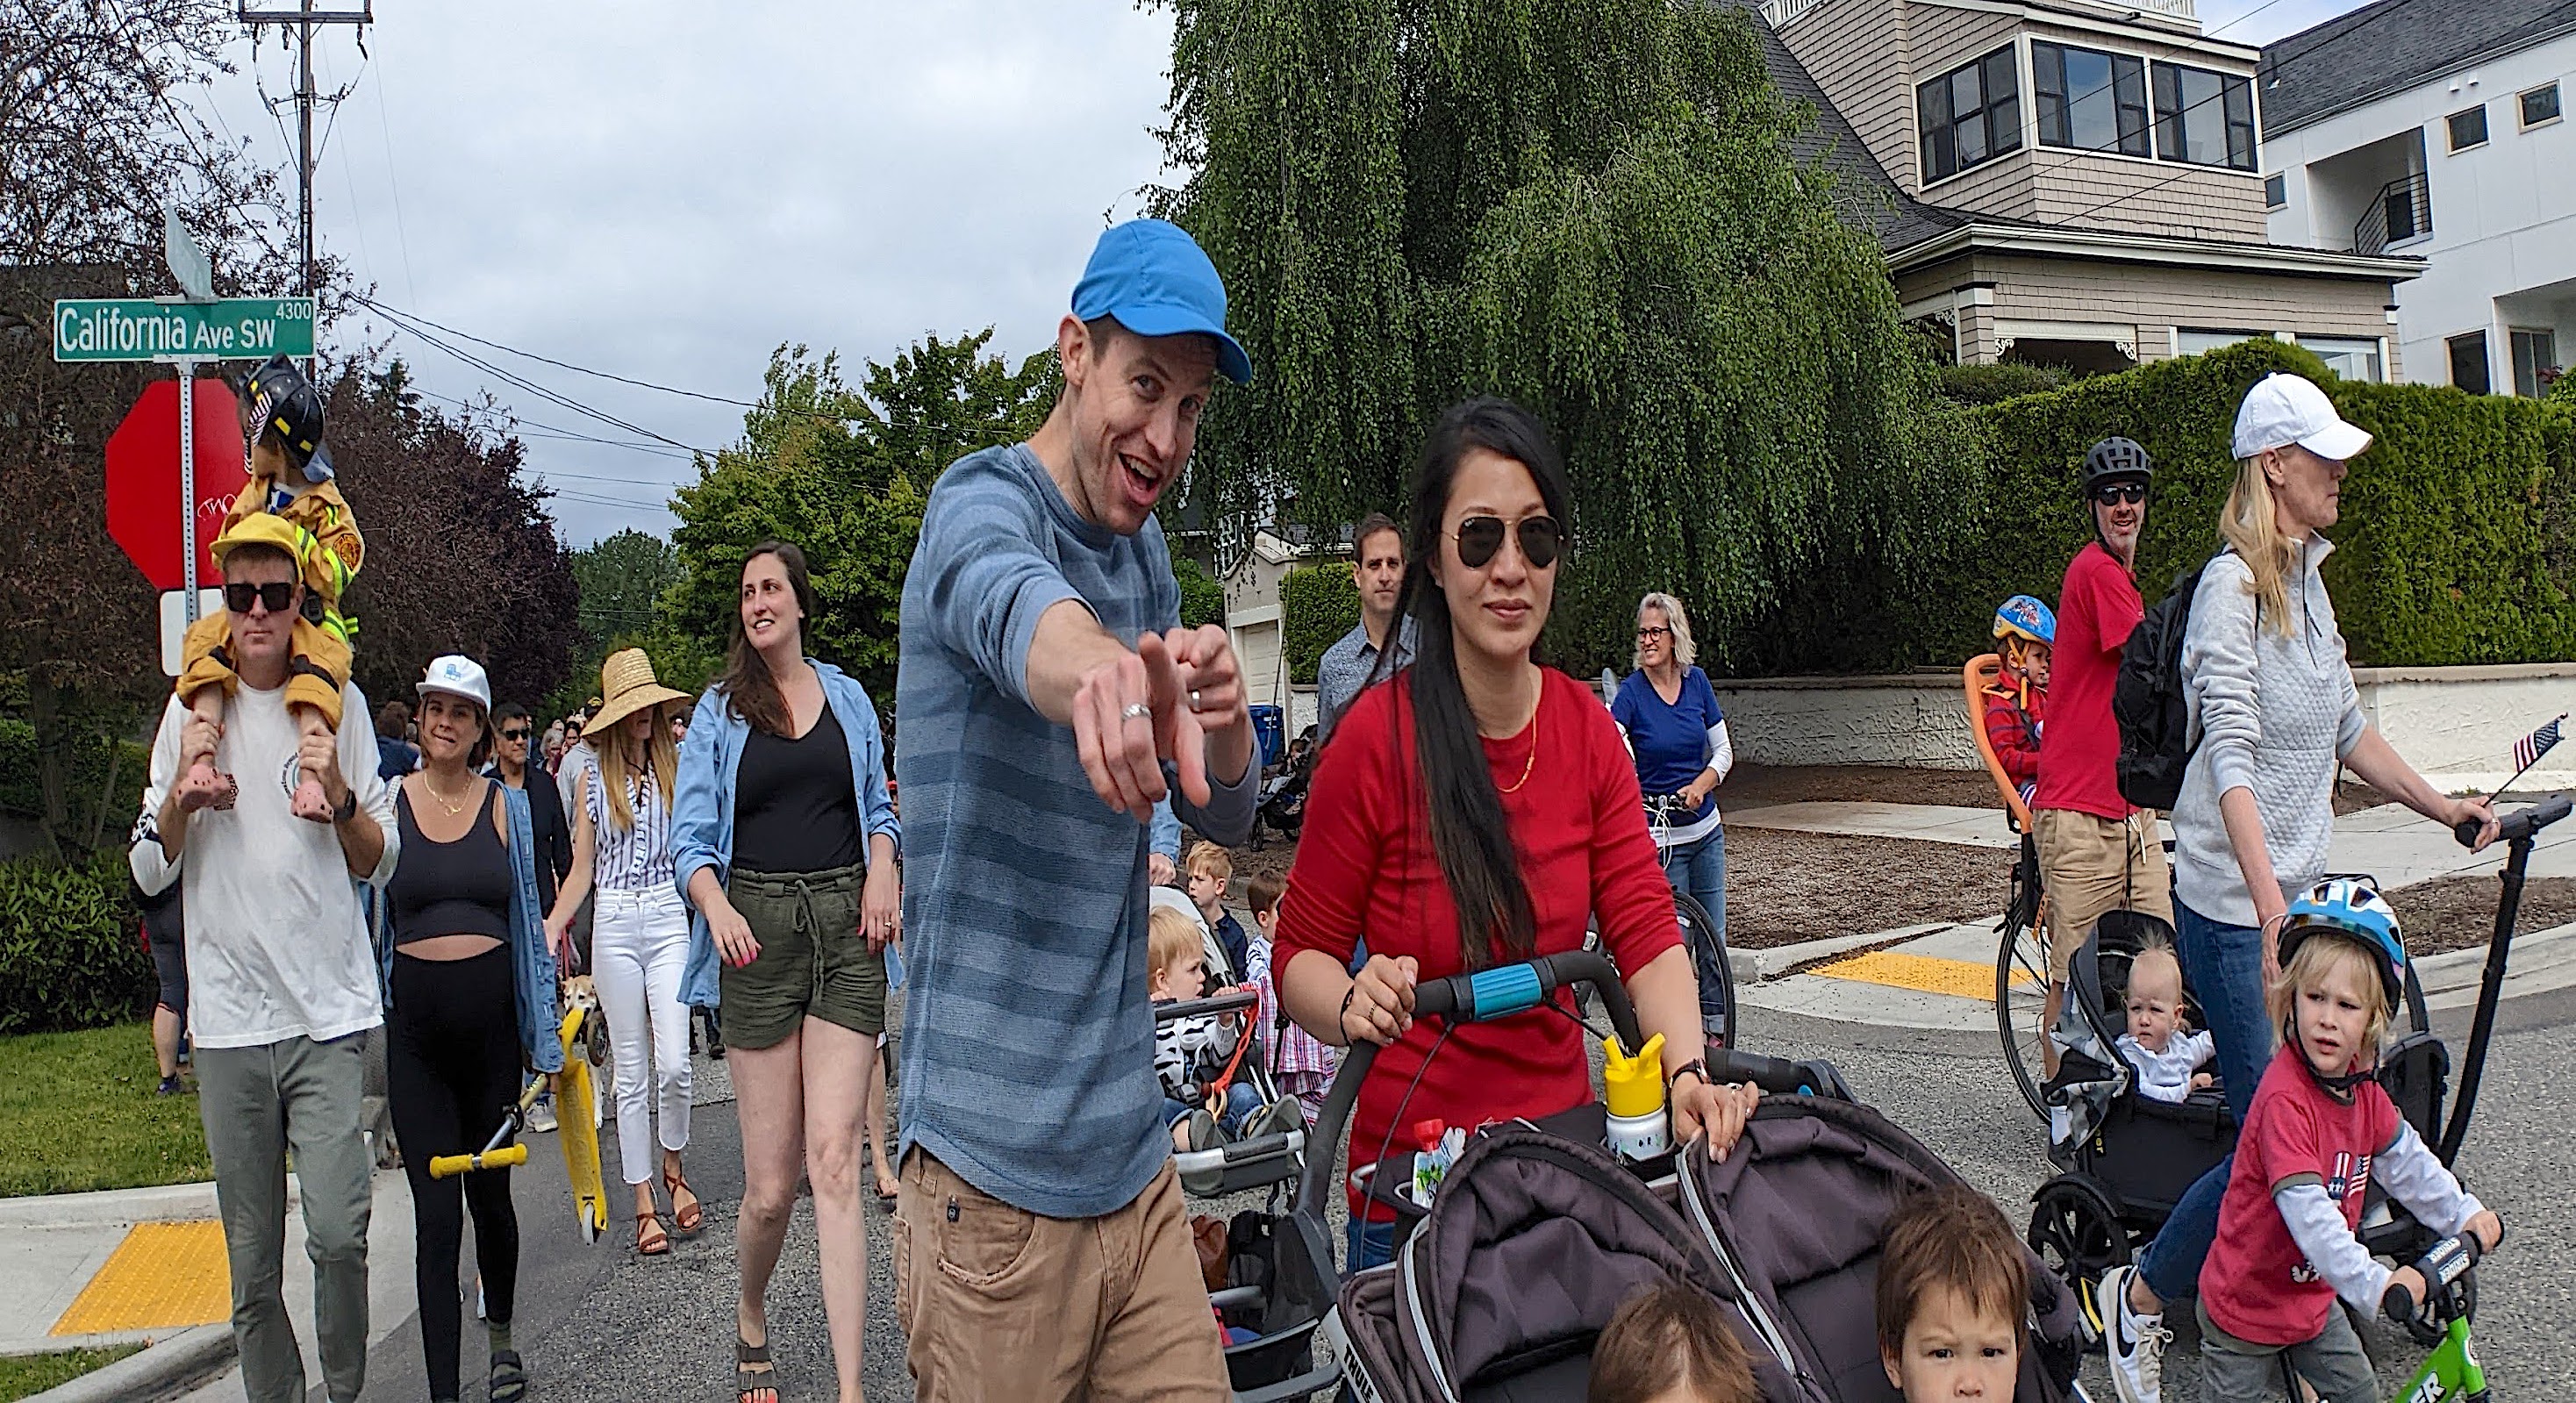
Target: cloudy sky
<point x="667" y="190"/>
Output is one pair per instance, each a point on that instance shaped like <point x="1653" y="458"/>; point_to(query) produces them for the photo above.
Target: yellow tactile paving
<point x="1925" y="974"/>
<point x="161" y="1275"/>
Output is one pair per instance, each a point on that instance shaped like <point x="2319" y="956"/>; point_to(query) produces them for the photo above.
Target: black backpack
<point x="2147" y="700"/>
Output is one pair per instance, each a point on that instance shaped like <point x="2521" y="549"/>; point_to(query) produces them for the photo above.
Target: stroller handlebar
<point x="1233" y="1001"/>
<point x="1498" y="992"/>
<point x="2519" y="825"/>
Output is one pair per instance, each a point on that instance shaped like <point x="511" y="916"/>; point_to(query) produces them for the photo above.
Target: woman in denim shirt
<point x="470" y="990"/>
<point x="784" y="844"/>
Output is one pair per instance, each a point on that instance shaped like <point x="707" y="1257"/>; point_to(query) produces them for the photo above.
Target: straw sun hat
<point x="627" y="681"/>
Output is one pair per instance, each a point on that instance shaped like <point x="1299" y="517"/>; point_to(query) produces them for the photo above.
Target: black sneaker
<point x="169" y="1087"/>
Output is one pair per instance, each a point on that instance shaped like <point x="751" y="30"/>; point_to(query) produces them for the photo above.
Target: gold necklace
<point x="452" y="809"/>
<point x="1532" y="762"/>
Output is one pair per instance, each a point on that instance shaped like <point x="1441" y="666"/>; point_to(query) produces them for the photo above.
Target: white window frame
<point x="2377" y="346"/>
<point x="2451" y="135"/>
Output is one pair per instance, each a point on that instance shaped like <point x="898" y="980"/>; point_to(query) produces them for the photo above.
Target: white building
<point x="1253" y="618"/>
<point x="2438" y="128"/>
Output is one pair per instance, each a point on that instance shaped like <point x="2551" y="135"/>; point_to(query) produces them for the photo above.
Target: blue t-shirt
<point x="1028" y="1041"/>
<point x="1671" y="742"/>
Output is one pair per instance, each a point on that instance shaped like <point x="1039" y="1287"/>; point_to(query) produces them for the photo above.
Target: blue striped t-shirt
<point x="1028" y="1041"/>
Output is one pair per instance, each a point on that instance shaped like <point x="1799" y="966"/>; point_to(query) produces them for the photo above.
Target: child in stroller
<point x="1209" y="1099"/>
<point x="1538" y="1235"/>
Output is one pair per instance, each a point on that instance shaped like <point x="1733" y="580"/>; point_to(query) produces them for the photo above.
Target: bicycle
<point x="1698" y="926"/>
<point x="2452" y="1371"/>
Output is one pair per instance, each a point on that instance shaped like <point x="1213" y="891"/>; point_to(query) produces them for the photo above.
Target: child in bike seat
<point x="1191" y="1054"/>
<point x="1953" y="1297"/>
<point x="2319" y="1129"/>
<point x="1669" y="1344"/>
<point x="2166" y="1059"/>
<point x="2025" y="632"/>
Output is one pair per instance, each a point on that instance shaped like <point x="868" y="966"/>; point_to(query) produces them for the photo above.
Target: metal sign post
<point x="188" y="484"/>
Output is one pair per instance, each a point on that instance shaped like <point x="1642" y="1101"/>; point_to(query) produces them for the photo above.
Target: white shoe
<point x="2135" y="1343"/>
<point x="541" y="1116"/>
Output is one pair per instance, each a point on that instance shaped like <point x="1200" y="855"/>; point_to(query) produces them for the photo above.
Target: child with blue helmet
<point x="2319" y="1129"/>
<point x="2025" y="632"/>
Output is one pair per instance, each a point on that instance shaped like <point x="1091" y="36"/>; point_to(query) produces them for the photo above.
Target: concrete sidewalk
<point x="1941" y="977"/>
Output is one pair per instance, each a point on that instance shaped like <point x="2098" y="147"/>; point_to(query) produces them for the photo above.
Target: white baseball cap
<point x="458" y="676"/>
<point x="2283" y="409"/>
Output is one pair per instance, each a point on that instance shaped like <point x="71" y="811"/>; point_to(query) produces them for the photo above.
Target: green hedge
<point x="1202" y="599"/>
<point x="2458" y="535"/>
<point x="1317" y="605"/>
<point x="22" y="792"/>
<point x="69" y="955"/>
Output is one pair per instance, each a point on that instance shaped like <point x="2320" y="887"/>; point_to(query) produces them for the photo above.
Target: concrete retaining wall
<point x="2456" y="723"/>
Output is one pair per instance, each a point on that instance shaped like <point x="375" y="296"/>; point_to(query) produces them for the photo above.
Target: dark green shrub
<point x="69" y="953"/>
<point x="1317" y="605"/>
<point x="2455" y="543"/>
<point x="86" y="784"/>
<point x="1202" y="599"/>
<point x="1993" y="384"/>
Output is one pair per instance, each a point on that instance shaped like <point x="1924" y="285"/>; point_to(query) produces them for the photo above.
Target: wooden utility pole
<point x="303" y="18"/>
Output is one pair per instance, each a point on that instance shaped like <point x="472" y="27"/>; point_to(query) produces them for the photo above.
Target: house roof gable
<point x="2390" y="46"/>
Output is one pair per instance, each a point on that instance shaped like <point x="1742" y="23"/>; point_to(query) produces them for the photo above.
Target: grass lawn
<point x="25" y="1375"/>
<point x="77" y="1111"/>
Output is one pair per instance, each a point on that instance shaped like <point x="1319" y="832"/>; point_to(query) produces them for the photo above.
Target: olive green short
<point x="812" y="962"/>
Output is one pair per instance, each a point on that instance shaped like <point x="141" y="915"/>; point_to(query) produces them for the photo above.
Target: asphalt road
<point x="596" y="1321"/>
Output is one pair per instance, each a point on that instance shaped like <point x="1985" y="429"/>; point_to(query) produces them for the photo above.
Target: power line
<point x="563" y="365"/>
<point x="404" y="323"/>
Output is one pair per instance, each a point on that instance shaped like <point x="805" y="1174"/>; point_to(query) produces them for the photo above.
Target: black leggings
<point x="453" y="1066"/>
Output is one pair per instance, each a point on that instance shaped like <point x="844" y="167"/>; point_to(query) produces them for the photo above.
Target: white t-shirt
<point x="578" y="760"/>
<point x="277" y="945"/>
<point x="2166" y="1075"/>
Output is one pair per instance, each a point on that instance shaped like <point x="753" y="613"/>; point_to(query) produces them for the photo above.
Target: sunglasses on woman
<point x="1480" y="537"/>
<point x="2120" y="493"/>
<point x="276" y="597"/>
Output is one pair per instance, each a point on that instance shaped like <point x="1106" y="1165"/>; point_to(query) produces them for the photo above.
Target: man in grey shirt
<point x="1377" y="568"/>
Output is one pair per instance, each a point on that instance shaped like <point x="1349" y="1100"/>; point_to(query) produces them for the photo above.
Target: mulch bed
<point x="1752" y="785"/>
<point x="1783" y="887"/>
<point x="2458" y="913"/>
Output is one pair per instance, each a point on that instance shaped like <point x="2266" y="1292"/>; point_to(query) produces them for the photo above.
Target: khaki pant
<point x="1003" y="1304"/>
<point x="2089" y="865"/>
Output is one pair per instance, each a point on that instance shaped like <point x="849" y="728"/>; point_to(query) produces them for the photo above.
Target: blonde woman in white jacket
<point x="2276" y="712"/>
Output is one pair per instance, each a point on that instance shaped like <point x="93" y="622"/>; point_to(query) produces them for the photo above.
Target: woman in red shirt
<point x="1474" y="813"/>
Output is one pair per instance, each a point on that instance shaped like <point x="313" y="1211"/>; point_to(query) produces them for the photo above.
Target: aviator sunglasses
<point x="2120" y="493"/>
<point x="1479" y="537"/>
<point x="277" y="597"/>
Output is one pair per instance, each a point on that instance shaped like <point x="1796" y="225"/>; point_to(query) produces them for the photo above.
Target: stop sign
<point x="143" y="479"/>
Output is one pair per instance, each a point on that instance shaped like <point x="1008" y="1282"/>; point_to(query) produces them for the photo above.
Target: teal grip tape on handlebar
<point x="1505" y="990"/>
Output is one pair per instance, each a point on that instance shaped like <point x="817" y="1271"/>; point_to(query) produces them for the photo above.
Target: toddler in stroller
<point x="1538" y="1235"/>
<point x="1214" y="1092"/>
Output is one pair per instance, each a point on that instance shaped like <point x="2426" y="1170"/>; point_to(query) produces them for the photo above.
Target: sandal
<point x="509" y="1377"/>
<point x="754" y="1378"/>
<point x="687" y="1214"/>
<point x="650" y="1240"/>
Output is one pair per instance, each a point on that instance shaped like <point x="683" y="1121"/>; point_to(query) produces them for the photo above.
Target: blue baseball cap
<point x="1156" y="280"/>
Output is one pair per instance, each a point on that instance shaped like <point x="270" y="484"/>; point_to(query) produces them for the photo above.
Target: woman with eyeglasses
<point x="1672" y="722"/>
<point x="1476" y="813"/>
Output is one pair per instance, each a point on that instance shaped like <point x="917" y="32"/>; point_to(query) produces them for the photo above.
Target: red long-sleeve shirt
<point x="1365" y="867"/>
<point x="2013" y="728"/>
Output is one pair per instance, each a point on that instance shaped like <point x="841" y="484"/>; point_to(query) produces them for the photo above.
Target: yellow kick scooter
<point x="585" y="1043"/>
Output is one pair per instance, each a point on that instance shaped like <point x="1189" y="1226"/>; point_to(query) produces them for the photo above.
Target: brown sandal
<point x="754" y="1377"/>
<point x="688" y="1215"/>
<point x="650" y="1240"/>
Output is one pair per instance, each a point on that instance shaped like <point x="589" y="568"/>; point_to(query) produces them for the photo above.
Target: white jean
<point x="639" y="948"/>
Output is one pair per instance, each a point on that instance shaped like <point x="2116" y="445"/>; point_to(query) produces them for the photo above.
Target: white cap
<point x="458" y="677"/>
<point x="2283" y="409"/>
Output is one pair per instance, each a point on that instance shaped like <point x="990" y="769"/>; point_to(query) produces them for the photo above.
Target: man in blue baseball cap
<point x="1048" y="699"/>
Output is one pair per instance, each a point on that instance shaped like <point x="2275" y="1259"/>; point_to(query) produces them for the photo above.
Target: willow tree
<point x="1595" y="207"/>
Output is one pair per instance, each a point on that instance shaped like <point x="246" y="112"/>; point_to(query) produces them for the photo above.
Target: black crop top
<point x="458" y="888"/>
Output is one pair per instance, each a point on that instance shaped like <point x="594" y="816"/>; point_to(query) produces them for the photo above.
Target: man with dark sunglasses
<point x="2096" y="854"/>
<point x="281" y="975"/>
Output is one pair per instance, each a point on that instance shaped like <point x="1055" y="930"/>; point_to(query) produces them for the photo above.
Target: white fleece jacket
<point x="2274" y="715"/>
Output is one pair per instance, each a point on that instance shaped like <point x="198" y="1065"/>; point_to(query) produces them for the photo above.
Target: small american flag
<point x="2528" y="750"/>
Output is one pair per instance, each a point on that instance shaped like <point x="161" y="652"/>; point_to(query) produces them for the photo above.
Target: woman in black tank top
<point x="454" y="1027"/>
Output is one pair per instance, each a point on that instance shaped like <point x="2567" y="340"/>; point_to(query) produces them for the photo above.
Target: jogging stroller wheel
<point x="2076" y="1231"/>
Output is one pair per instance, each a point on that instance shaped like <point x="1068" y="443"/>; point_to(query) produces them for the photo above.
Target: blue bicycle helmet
<point x="2355" y="910"/>
<point x="2025" y="617"/>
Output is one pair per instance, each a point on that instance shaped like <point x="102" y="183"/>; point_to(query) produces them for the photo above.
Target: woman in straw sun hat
<point x="621" y="844"/>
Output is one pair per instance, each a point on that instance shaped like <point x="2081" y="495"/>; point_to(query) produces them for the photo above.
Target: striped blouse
<point x="630" y="858"/>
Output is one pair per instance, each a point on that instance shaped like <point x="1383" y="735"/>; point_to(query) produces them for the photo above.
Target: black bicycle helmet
<point x="2116" y="460"/>
<point x="283" y="402"/>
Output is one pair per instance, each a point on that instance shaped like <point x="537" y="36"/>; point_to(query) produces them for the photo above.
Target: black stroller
<point x="1538" y="1234"/>
<point x="2124" y="1160"/>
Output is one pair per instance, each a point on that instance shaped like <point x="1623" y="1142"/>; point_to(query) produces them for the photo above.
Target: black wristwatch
<point x="348" y="808"/>
<point x="1695" y="1067"/>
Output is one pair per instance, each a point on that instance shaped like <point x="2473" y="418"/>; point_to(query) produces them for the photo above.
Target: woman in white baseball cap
<point x="2264" y="671"/>
<point x="470" y="991"/>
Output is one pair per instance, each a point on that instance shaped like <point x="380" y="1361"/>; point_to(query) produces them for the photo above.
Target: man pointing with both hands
<point x="1048" y="699"/>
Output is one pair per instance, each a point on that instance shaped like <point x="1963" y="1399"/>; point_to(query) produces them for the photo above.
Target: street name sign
<point x="147" y="329"/>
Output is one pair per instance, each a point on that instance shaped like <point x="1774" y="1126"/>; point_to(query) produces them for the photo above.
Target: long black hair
<point x="1469" y="834"/>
